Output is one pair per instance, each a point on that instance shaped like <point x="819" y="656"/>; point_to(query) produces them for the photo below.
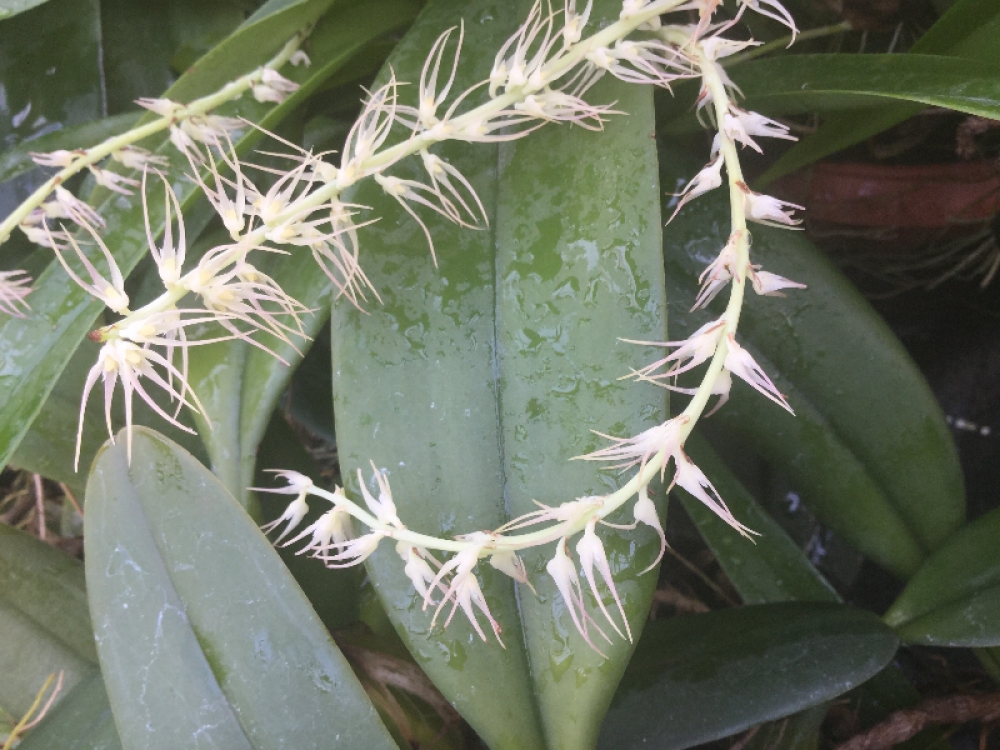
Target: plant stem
<point x="232" y="90"/>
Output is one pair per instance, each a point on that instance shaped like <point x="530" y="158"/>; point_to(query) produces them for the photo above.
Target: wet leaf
<point x="954" y="599"/>
<point x="473" y="383"/>
<point x="697" y="678"/>
<point x="196" y="615"/>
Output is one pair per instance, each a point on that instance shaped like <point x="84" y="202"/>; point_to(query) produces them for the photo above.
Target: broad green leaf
<point x="194" y="612"/>
<point x="697" y="678"/>
<point x="475" y="382"/>
<point x="10" y="8"/>
<point x="253" y="43"/>
<point x="239" y="384"/>
<point x="868" y="447"/>
<point x="970" y="29"/>
<point x="82" y="720"/>
<point x="43" y="619"/>
<point x="954" y="599"/>
<point x="36" y="349"/>
<point x="578" y="269"/>
<point x="771" y="570"/>
<point x="766" y="570"/>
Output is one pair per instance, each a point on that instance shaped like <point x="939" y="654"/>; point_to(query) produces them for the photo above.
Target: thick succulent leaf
<point x="36" y="349"/>
<point x="43" y="618"/>
<point x="868" y="449"/>
<point x="774" y="569"/>
<point x="476" y="381"/>
<point x="239" y="384"/>
<point x="954" y="599"/>
<point x="970" y="29"/>
<point x="701" y="677"/>
<point x="766" y="570"/>
<point x="204" y="638"/>
<point x="82" y="720"/>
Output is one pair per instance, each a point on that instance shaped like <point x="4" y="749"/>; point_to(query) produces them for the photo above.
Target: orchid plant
<point x="541" y="75"/>
<point x="296" y="201"/>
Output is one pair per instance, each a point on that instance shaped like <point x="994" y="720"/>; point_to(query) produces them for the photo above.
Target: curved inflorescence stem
<point x="651" y="451"/>
<point x="542" y="74"/>
<point x="121" y="147"/>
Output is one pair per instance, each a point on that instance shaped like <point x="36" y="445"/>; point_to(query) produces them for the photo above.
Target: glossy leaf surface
<point x="697" y="678"/>
<point x="35" y="350"/>
<point x="774" y="569"/>
<point x="43" y="618"/>
<point x="195" y="614"/>
<point x="475" y="382"/>
<point x="868" y="447"/>
<point x="954" y="599"/>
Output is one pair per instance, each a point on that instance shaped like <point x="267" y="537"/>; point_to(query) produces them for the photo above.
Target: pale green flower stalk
<point x="187" y="124"/>
<point x="540" y="75"/>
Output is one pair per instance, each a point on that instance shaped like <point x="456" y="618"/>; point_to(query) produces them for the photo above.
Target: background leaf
<point x="970" y="29"/>
<point x="954" y="599"/>
<point x="807" y="83"/>
<point x="767" y="570"/>
<point x="202" y="633"/>
<point x="43" y="618"/>
<point x="697" y="678"/>
<point x="82" y="720"/>
<point x="774" y="569"/>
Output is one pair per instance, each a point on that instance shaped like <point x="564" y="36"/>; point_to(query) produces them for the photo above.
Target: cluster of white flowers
<point x="540" y="75"/>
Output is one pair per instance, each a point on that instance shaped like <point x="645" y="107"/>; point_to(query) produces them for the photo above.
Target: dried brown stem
<point x="904" y="724"/>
